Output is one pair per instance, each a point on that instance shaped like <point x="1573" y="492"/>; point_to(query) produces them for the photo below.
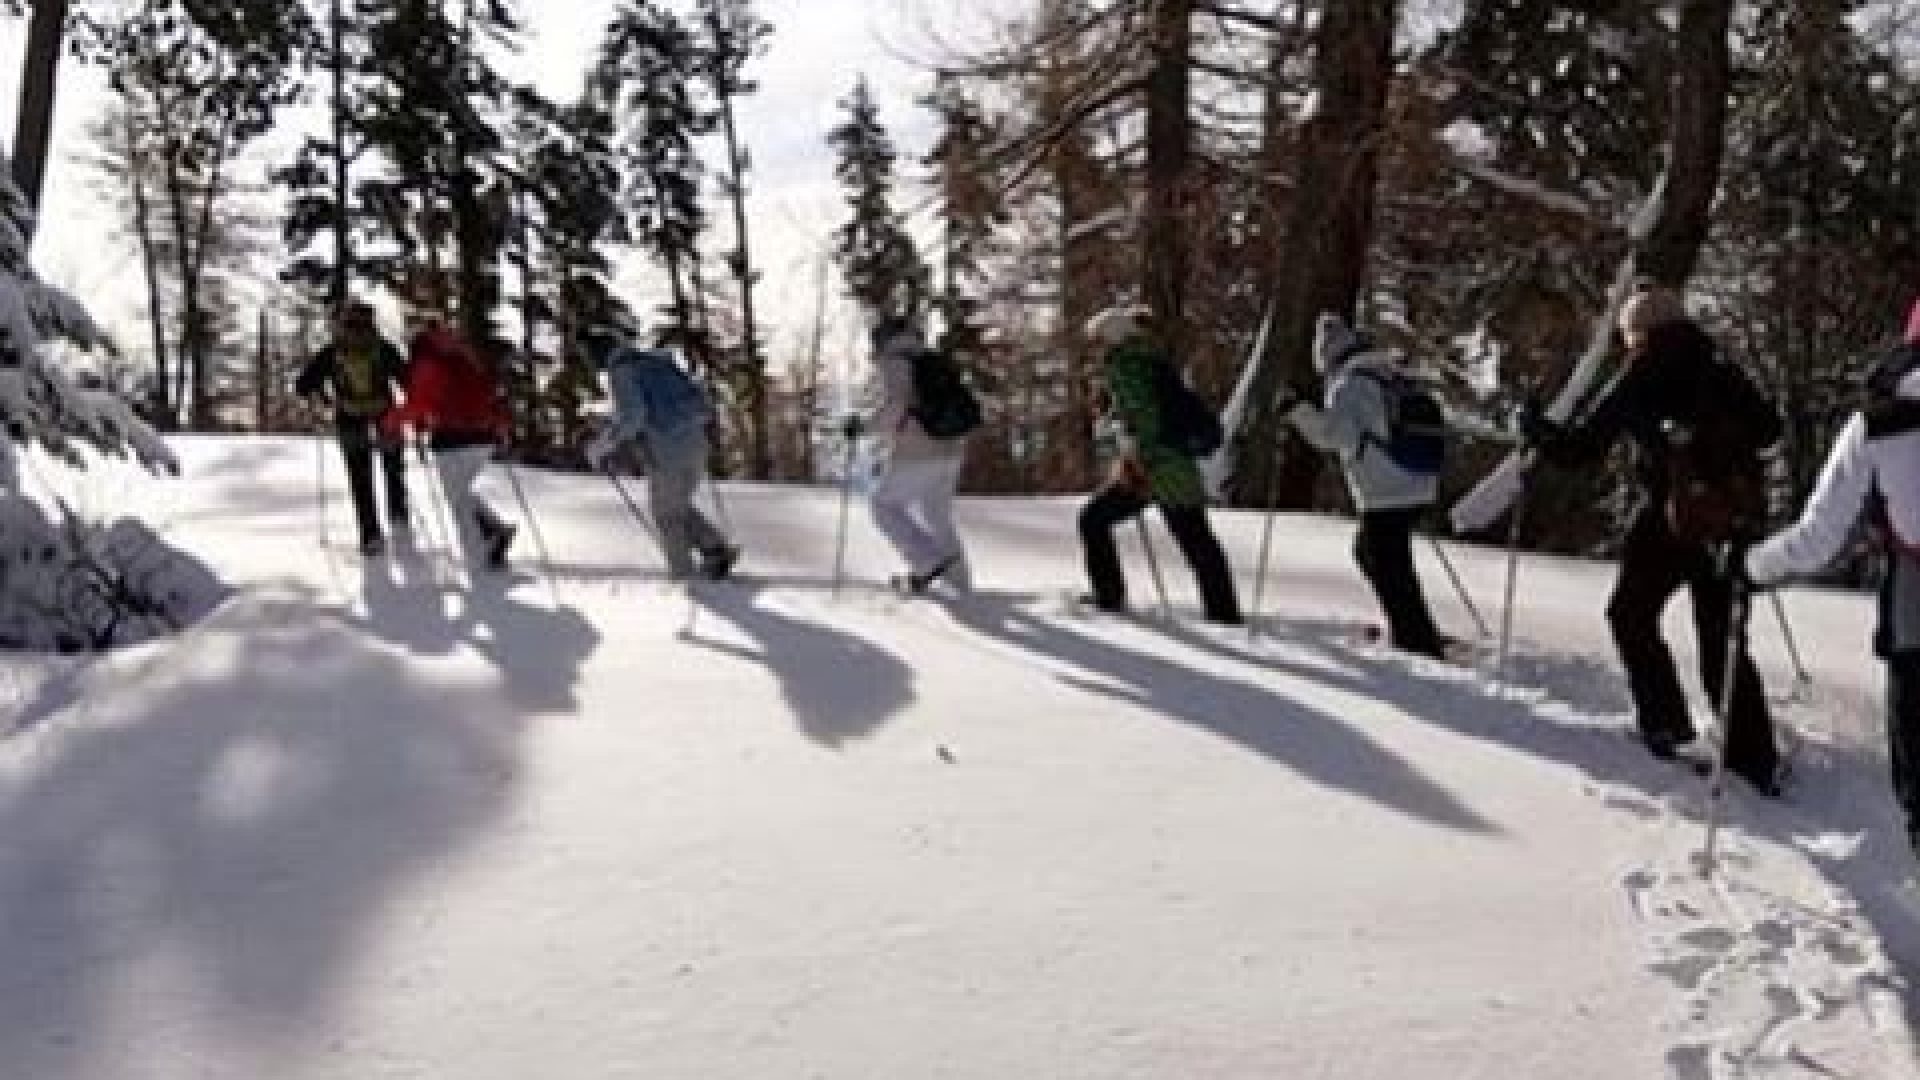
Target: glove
<point x="1130" y="474"/>
<point x="1534" y="424"/>
<point x="601" y="449"/>
<point x="392" y="428"/>
<point x="1740" y="568"/>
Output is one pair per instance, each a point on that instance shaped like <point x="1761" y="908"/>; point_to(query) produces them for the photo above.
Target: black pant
<point x="1191" y="531"/>
<point x="1654" y="565"/>
<point x="1384" y="549"/>
<point x="1903" y="733"/>
<point x="358" y="440"/>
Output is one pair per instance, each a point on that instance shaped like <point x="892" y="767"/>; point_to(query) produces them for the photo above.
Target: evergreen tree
<point x="645" y="80"/>
<point x="877" y="256"/>
<point x="730" y="37"/>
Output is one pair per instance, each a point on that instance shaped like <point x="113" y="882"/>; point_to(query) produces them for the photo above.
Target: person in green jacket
<point x="1149" y="473"/>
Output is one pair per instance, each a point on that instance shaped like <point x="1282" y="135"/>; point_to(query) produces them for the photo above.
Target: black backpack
<point x="943" y="404"/>
<point x="1187" y="424"/>
<point x="1716" y="478"/>
<point x="1416" y="422"/>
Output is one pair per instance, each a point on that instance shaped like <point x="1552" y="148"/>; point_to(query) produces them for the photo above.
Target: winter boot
<point x="718" y="562"/>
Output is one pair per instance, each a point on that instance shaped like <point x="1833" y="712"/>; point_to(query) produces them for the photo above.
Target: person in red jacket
<point x="453" y="400"/>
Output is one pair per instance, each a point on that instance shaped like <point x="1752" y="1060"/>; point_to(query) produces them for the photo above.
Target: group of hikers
<point x="1698" y="426"/>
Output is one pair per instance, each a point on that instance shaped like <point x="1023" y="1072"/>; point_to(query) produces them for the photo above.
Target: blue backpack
<point x="1416" y="423"/>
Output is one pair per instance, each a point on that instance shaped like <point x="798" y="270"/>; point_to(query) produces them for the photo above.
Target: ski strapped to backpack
<point x="1416" y="422"/>
<point x="943" y="404"/>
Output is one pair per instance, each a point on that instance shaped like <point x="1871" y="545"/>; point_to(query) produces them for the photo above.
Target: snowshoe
<point x="915" y="584"/>
<point x="498" y="541"/>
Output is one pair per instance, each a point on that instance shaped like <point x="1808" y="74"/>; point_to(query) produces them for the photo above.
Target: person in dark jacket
<point x="453" y="400"/>
<point x="1873" y="472"/>
<point x="1149" y="473"/>
<point x="1674" y="385"/>
<point x="360" y="371"/>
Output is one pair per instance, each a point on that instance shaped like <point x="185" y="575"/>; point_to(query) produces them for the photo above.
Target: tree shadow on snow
<point x="1319" y="745"/>
<point x="233" y="817"/>
<point x="838" y="686"/>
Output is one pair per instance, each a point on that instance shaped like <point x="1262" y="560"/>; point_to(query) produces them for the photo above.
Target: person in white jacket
<point x="1389" y="497"/>
<point x="913" y="501"/>
<point x="1873" y="471"/>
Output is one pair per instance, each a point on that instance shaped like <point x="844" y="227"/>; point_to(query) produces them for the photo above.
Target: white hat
<point x="1116" y="324"/>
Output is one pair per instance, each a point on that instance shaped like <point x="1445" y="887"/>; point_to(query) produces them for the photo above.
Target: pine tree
<point x="731" y="36"/>
<point x="644" y="80"/>
<point x="877" y="256"/>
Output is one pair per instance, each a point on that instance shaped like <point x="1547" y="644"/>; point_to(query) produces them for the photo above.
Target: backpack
<point x="1716" y="482"/>
<point x="943" y="404"/>
<point x="674" y="402"/>
<point x="1416" y="422"/>
<point x="1187" y="424"/>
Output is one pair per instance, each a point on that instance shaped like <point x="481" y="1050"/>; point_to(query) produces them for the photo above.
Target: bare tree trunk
<point x="342" y="220"/>
<point x="193" y="359"/>
<point x="161" y="402"/>
<point x="759" y="456"/>
<point x="33" y="131"/>
<point x="1169" y="150"/>
<point x="263" y="378"/>
<point x="1329" y="226"/>
<point x="1697" y="104"/>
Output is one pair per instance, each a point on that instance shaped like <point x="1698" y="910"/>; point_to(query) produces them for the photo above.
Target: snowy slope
<point x="367" y="823"/>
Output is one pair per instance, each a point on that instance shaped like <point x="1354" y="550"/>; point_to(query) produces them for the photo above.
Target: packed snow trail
<point x="367" y="822"/>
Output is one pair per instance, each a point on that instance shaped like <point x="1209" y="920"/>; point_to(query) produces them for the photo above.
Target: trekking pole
<point x="1730" y="678"/>
<point x="1459" y="586"/>
<point x="1153" y="567"/>
<point x="320" y="490"/>
<point x="1802" y="678"/>
<point x="1266" y="551"/>
<point x="1513" y="576"/>
<point x="633" y="507"/>
<point x="850" y="432"/>
<point x="533" y="526"/>
<point x="442" y="515"/>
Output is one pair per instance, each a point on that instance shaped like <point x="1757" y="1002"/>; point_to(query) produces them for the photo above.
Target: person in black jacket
<point x="1676" y="399"/>
<point x="360" y="371"/>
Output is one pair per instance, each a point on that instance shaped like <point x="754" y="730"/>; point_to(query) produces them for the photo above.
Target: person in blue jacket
<point x="662" y="413"/>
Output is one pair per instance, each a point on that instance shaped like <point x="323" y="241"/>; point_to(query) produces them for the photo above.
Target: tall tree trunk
<point x="1169" y="150"/>
<point x="759" y="455"/>
<point x="33" y="130"/>
<point x="1697" y="105"/>
<point x="342" y="281"/>
<point x="193" y="329"/>
<point x="1329" y="226"/>
<point x="161" y="404"/>
<point x="262" y="377"/>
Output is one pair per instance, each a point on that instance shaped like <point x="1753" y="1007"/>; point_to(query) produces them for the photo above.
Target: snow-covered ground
<point x="366" y="822"/>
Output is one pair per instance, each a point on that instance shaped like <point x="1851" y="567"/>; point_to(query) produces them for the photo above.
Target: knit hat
<point x="1334" y="341"/>
<point x="1913" y="323"/>
<point x="1115" y="325"/>
<point x="1652" y="306"/>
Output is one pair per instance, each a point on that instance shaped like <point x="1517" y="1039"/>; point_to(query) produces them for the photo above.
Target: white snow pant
<point x="474" y="520"/>
<point x="913" y="507"/>
<point x="674" y="473"/>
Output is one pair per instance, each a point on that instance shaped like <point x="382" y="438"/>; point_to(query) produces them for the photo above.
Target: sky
<point x="817" y="50"/>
